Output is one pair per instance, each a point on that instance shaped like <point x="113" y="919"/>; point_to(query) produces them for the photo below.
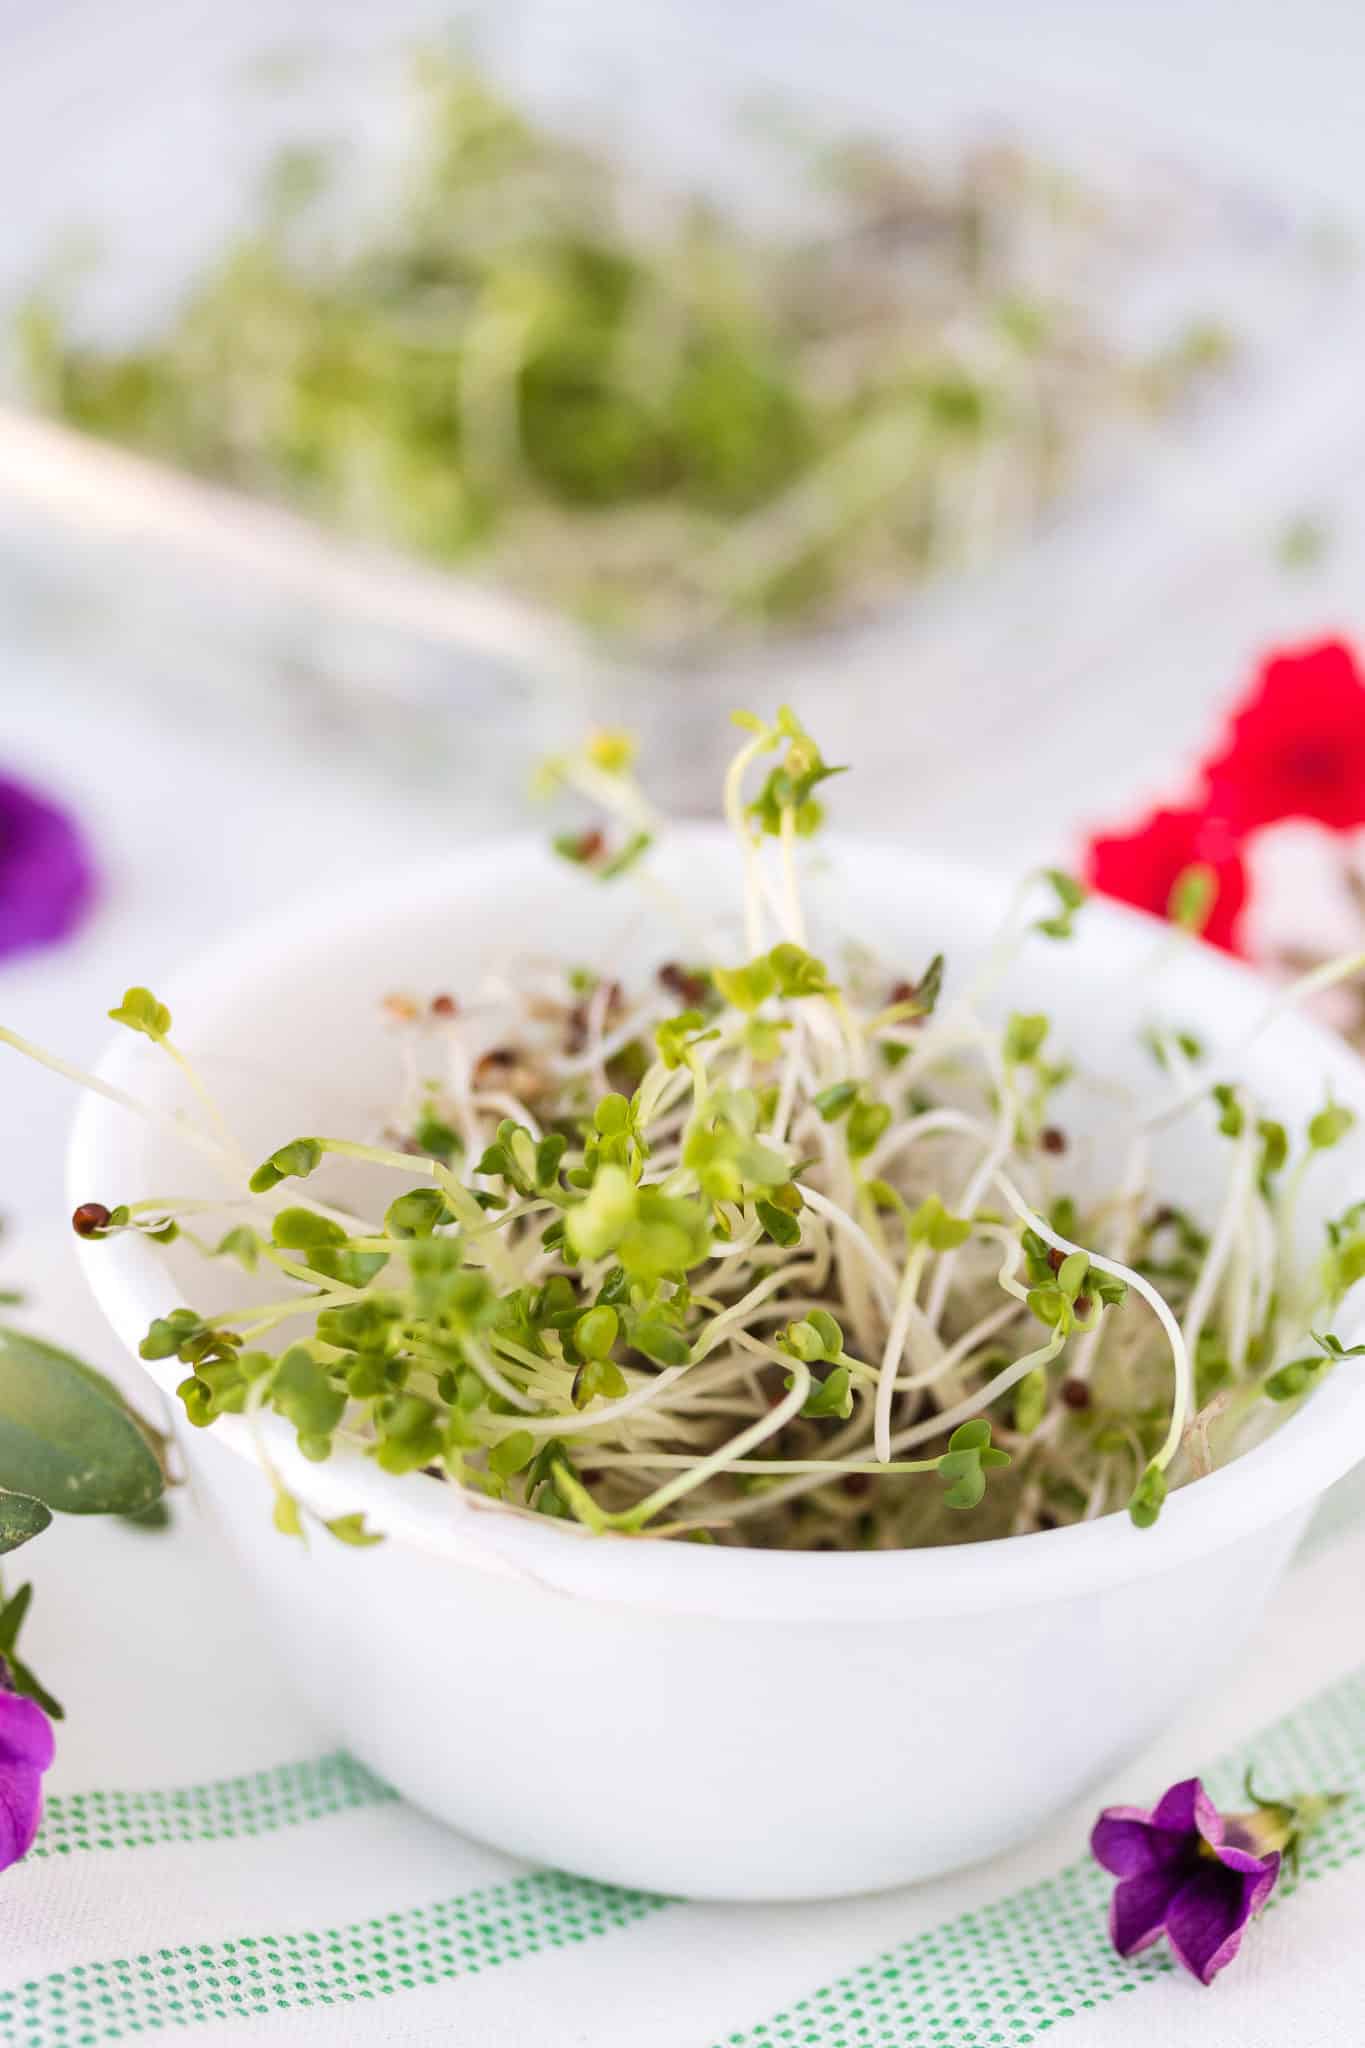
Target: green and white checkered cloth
<point x="208" y="1854"/>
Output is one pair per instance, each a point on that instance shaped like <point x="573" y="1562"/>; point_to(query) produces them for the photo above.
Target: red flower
<point x="1143" y="867"/>
<point x="1296" y="748"/>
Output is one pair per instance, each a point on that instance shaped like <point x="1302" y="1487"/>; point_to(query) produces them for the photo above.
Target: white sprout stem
<point x="1224" y="1237"/>
<point x="498" y="1099"/>
<point x="796" y="922"/>
<point x="1131" y="1188"/>
<point x="1241" y="1290"/>
<point x="604" y="1047"/>
<point x="860" y="1265"/>
<point x="1183" y="1395"/>
<point x="786" y="1094"/>
<point x="916" y="1433"/>
<point x="767" y="1425"/>
<point x="969" y="1199"/>
<point x="773" y="1467"/>
<point x="611" y="1412"/>
<point x="719" y="1327"/>
<point x="734" y="813"/>
<point x="1284" y="1235"/>
<point x="211" y="1109"/>
<point x="979" y="1334"/>
<point x="891" y="1356"/>
<point x="851" y="1230"/>
<point x="974" y="1403"/>
<point x="618" y="795"/>
<point x="1004" y="947"/>
<point x="200" y="1140"/>
<point x="1262" y="1261"/>
<point x="929" y="1123"/>
<point x="491" y="1377"/>
<point x="1301" y="991"/>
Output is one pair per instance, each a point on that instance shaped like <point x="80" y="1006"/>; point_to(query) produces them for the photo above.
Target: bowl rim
<point x="1277" y="1479"/>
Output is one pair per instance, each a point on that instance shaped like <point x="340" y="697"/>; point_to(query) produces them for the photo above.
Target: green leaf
<point x="748" y="986"/>
<point x="294" y="1161"/>
<point x="1346" y="1265"/>
<point x="597" y="1376"/>
<point x="1030" y="1401"/>
<point x="1072" y="1273"/>
<point x="1148" y="1498"/>
<point x="1070" y="896"/>
<point x="966" y="1486"/>
<point x="513" y="1454"/>
<point x="287" y="1517"/>
<point x="622" y="862"/>
<point x="157" y="1516"/>
<point x="303" y="1230"/>
<point x="597" y="1224"/>
<point x="67" y="1436"/>
<point x="12" y="1613"/>
<point x="611" y="1116"/>
<point x="23" y="1680"/>
<point x="816" y="1337"/>
<point x="1334" y="1347"/>
<point x="965" y="1463"/>
<point x="867" y="1124"/>
<point x="676" y="1034"/>
<point x="1274" y="1147"/>
<point x="798" y="972"/>
<point x="351" y="1529"/>
<point x="140" y="1011"/>
<point x="778" y="1224"/>
<point x="596" y="1331"/>
<point x="1330" y="1126"/>
<point x="1193" y="896"/>
<point x="831" y="1396"/>
<point x="1298" y="1377"/>
<point x="1069" y="892"/>
<point x="302" y="1391"/>
<point x="828" y="1331"/>
<point x="21" y="1519"/>
<point x="1050" y="1305"/>
<point x="971" y="1436"/>
<point x="437" y="1138"/>
<point x="937" y="1227"/>
<point x="660" y="1341"/>
<point x="242" y="1244"/>
<point x="832" y="1102"/>
<point x="1024" y="1035"/>
<point x="416" y="1214"/>
<point x="549" y="1152"/>
<point x="929" y="987"/>
<point x="1232" y="1117"/>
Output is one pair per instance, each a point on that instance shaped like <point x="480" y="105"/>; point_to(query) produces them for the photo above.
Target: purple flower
<point x="1186" y="1872"/>
<point x="47" y="876"/>
<point x="25" y="1753"/>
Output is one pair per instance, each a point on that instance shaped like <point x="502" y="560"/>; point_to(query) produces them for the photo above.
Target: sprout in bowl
<point x="739" y="1225"/>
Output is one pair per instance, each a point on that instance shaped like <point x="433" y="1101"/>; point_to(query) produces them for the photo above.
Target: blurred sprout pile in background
<point x="631" y="404"/>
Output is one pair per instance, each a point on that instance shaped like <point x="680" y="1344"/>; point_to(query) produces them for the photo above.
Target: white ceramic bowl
<point x="648" y="1713"/>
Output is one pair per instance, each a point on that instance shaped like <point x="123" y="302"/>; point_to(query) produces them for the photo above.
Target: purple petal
<point x="1262" y="1884"/>
<point x="1246" y="1861"/>
<point x="1124" y="1840"/>
<point x="1137" y="1911"/>
<point x="47" y="875"/>
<point x="1206" y="1918"/>
<point x="1184" y="1807"/>
<point x="26" y="1748"/>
